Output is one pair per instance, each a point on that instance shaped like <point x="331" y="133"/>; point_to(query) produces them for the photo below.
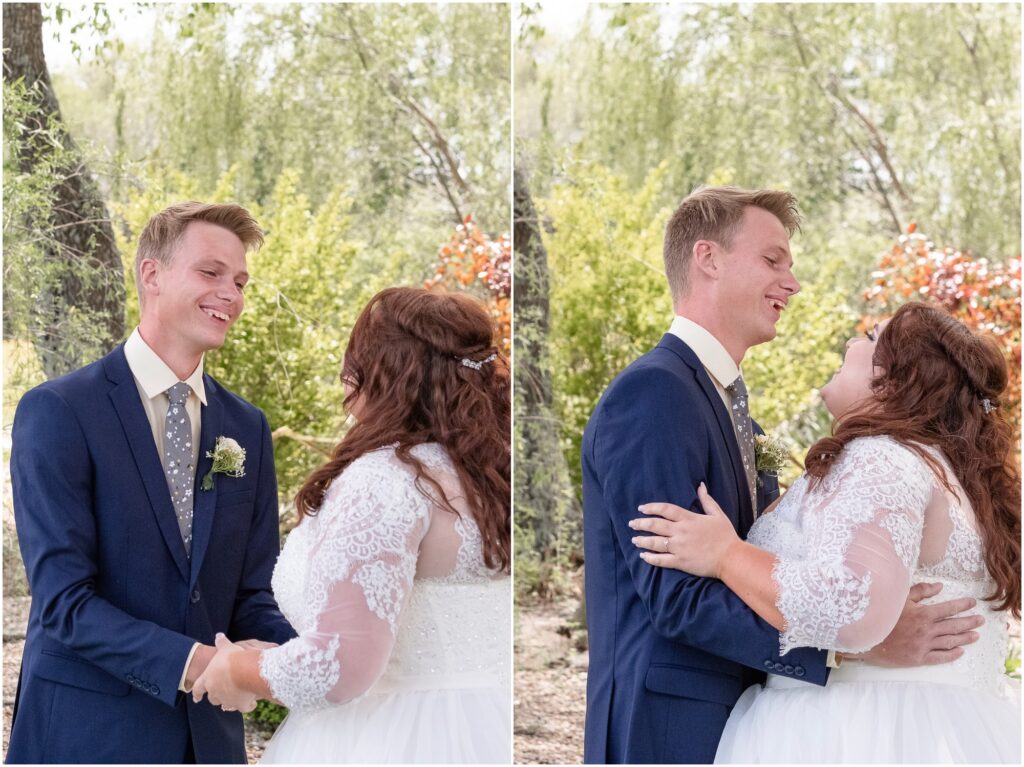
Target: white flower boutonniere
<point x="228" y="458"/>
<point x="770" y="455"/>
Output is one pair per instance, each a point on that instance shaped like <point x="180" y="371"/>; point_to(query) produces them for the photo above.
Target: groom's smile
<point x="217" y="315"/>
<point x="778" y="305"/>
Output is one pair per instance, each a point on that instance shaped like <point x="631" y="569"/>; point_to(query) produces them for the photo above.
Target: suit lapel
<point x="125" y="398"/>
<point x="745" y="516"/>
<point x="205" y="500"/>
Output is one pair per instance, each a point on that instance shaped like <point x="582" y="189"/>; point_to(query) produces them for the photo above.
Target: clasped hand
<point x="218" y="681"/>
<point x="685" y="540"/>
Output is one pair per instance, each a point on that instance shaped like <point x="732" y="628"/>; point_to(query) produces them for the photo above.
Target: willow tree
<point x="64" y="284"/>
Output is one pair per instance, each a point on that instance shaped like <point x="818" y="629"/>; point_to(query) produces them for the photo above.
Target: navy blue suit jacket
<point x="116" y="602"/>
<point x="669" y="652"/>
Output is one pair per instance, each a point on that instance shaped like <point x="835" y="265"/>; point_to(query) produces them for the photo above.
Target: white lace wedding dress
<point x="404" y="649"/>
<point x="848" y="551"/>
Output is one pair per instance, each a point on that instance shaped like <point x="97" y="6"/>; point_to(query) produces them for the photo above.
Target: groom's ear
<point x="705" y="258"/>
<point x="148" y="270"/>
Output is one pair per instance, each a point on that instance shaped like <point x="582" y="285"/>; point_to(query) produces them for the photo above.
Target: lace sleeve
<point x="360" y="574"/>
<point x="863" y="528"/>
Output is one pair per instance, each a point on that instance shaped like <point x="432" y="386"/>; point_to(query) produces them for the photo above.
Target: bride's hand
<point x="685" y="540"/>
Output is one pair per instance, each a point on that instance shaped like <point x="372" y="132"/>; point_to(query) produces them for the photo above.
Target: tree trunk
<point x="545" y="502"/>
<point x="80" y="314"/>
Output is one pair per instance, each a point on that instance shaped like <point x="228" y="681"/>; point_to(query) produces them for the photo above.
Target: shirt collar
<point x="153" y="374"/>
<point x="709" y="350"/>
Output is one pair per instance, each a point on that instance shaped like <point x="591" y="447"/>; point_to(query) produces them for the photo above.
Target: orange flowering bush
<point x="983" y="295"/>
<point x="473" y="262"/>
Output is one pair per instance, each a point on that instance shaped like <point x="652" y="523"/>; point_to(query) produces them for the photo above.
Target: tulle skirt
<point x="436" y="726"/>
<point x="872" y="715"/>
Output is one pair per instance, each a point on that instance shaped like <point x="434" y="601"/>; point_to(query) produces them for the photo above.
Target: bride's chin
<point x="830" y="404"/>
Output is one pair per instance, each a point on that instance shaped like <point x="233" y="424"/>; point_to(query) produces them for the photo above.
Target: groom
<point x="670" y="653"/>
<point x="134" y="562"/>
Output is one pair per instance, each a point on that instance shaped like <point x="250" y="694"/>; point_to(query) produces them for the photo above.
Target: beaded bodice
<point x="850" y="548"/>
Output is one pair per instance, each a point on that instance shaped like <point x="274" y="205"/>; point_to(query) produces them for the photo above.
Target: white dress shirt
<point x="721" y="367"/>
<point x="153" y="378"/>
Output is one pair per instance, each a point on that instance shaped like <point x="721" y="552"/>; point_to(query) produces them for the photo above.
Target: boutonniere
<point x="770" y="455"/>
<point x="228" y="458"/>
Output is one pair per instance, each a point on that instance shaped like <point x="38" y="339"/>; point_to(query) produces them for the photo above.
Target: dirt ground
<point x="15" y="621"/>
<point x="550" y="683"/>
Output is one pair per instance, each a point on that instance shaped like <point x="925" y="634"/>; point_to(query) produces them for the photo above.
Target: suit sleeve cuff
<point x="188" y="662"/>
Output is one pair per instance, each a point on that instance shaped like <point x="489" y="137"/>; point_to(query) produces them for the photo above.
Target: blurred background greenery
<point x="897" y="127"/>
<point x="372" y="142"/>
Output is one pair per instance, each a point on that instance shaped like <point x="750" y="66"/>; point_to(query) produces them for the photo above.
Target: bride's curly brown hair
<point x="404" y="365"/>
<point x="935" y="375"/>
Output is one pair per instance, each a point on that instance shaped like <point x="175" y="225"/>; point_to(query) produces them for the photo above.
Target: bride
<point x="918" y="482"/>
<point x="396" y="578"/>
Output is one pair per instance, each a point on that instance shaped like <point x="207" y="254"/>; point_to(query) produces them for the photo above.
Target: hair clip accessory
<point x="477" y="365"/>
<point x="987" y="404"/>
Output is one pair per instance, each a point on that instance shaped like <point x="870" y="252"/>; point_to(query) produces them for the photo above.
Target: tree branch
<point x="841" y="103"/>
<point x="397" y="93"/>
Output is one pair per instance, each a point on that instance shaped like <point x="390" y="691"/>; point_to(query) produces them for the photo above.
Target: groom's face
<point x="199" y="294"/>
<point x="759" y="279"/>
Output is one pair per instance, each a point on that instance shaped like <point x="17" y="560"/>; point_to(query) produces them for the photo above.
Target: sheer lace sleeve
<point x="361" y="569"/>
<point x="863" y="527"/>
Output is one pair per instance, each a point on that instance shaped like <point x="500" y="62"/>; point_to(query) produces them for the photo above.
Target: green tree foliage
<point x="406" y="106"/>
<point x="874" y="116"/>
<point x="608" y="300"/>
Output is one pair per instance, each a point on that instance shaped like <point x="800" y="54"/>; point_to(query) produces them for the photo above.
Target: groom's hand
<point x="927" y="634"/>
<point x="200" y="660"/>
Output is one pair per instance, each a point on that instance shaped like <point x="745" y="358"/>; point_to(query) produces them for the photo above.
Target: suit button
<point x="154" y="689"/>
<point x="195" y="596"/>
<point x="768" y="665"/>
<point x="789" y="669"/>
<point x="779" y="667"/>
<point x="799" y="671"/>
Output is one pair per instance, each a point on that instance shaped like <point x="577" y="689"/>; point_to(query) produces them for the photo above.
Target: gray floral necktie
<point x="744" y="435"/>
<point x="178" y="459"/>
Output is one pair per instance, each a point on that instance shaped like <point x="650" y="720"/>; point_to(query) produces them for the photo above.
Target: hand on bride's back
<point x="926" y="635"/>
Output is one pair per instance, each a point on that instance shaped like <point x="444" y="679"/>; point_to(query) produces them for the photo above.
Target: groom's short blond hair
<point x="165" y="229"/>
<point x="714" y="213"/>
